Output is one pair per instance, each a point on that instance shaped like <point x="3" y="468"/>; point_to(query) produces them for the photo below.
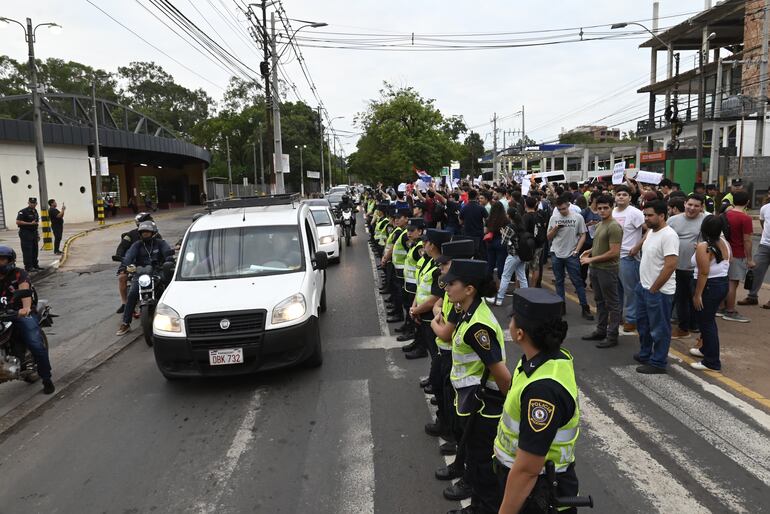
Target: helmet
<point x="345" y="198"/>
<point x="148" y="226"/>
<point x="142" y="216"/>
<point x="10" y="254"/>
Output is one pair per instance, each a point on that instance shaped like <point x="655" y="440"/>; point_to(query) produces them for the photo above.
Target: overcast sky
<point x="598" y="79"/>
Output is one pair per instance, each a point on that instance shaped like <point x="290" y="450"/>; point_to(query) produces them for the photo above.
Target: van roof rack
<point x="240" y="202"/>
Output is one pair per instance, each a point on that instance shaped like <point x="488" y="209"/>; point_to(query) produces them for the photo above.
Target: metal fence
<point x="218" y="190"/>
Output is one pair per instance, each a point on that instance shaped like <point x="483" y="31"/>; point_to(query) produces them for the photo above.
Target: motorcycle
<point x="152" y="283"/>
<point x="13" y="367"/>
<point x="347" y="224"/>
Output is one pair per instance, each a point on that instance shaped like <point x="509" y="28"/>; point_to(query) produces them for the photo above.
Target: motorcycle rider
<point x="126" y="240"/>
<point x="149" y="250"/>
<point x="347" y="203"/>
<point x="26" y="328"/>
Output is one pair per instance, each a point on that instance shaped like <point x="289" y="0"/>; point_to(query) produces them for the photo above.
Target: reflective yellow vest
<point x="446" y="308"/>
<point x="467" y="366"/>
<point x="410" y="266"/>
<point x="399" y="250"/>
<point x="425" y="280"/>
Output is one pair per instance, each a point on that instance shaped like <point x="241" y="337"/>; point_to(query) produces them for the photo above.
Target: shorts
<point x="738" y="269"/>
<point x="537" y="257"/>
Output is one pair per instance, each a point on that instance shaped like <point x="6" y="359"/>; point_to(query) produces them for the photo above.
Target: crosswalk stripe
<point x="747" y="447"/>
<point x="667" y="443"/>
<point x="653" y="481"/>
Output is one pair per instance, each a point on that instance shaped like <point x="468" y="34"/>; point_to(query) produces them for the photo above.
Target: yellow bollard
<point x="100" y="210"/>
<point x="47" y="234"/>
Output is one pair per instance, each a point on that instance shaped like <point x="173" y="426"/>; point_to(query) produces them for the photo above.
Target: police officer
<point x="414" y="230"/>
<point x="150" y="250"/>
<point x="28" y="220"/>
<point x="26" y="328"/>
<point x="393" y="259"/>
<point x="126" y="240"/>
<point x="479" y="377"/>
<point x="708" y="203"/>
<point x="541" y="415"/>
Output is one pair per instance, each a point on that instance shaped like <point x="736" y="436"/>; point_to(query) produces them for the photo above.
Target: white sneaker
<point x="696" y="352"/>
<point x="498" y="303"/>
<point x="701" y="367"/>
<point x="489" y="299"/>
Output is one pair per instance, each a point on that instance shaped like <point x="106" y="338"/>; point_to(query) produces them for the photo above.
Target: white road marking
<point x="373" y="343"/>
<point x="757" y="415"/>
<point x="668" y="444"/>
<point x="240" y="444"/>
<point x="653" y="481"/>
<point x="381" y="313"/>
<point x="747" y="447"/>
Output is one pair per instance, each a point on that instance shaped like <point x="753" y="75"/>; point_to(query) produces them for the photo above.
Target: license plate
<point x="226" y="356"/>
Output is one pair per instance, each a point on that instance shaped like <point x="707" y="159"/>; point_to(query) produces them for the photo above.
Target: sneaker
<point x="721" y="313"/>
<point x="48" y="387"/>
<point x="701" y="367"/>
<point x="678" y="333"/>
<point x="123" y="330"/>
<point x="695" y="352"/>
<point x="735" y="316"/>
<point x="489" y="299"/>
<point x="648" y="369"/>
<point x="748" y="301"/>
<point x="121" y="309"/>
<point x="499" y="302"/>
<point x="638" y="359"/>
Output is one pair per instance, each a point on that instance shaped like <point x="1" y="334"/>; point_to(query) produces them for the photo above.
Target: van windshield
<point x="241" y="252"/>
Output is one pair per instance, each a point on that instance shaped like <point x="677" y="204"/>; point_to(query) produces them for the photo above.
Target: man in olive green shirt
<point x="604" y="261"/>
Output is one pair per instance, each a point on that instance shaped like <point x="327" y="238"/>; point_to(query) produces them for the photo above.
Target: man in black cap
<point x="28" y="220"/>
<point x="699" y="188"/>
<point x="727" y="200"/>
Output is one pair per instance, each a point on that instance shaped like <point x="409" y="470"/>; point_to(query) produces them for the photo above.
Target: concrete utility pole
<point x="277" y="142"/>
<point x="331" y="171"/>
<point x="301" y="171"/>
<point x="321" y="132"/>
<point x="229" y="169"/>
<point x="262" y="161"/>
<point x="653" y="76"/>
<point x="97" y="159"/>
<point x="254" y="148"/>
<point x="523" y="132"/>
<point x="715" y="138"/>
<point x="703" y="55"/>
<point x="264" y="69"/>
<point x="494" y="147"/>
<point x="759" y="140"/>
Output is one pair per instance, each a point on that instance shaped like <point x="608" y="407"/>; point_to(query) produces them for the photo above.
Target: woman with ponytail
<point x="541" y="416"/>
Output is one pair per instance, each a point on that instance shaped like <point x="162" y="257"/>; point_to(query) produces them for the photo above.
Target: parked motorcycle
<point x="152" y="283"/>
<point x="12" y="367"/>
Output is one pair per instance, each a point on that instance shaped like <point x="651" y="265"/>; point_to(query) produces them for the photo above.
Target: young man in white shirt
<point x="632" y="221"/>
<point x="655" y="291"/>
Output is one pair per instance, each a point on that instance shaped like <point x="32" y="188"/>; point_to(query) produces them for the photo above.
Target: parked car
<point x="329" y="239"/>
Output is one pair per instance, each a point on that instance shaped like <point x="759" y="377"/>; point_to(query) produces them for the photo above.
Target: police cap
<point x="415" y="223"/>
<point x="737" y="182"/>
<point x="32" y="199"/>
<point x="460" y="249"/>
<point x="383" y="207"/>
<point x="467" y="270"/>
<point x="531" y="303"/>
<point x="436" y="236"/>
<point x="402" y="213"/>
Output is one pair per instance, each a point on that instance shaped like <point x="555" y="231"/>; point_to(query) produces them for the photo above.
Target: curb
<point x="30" y="407"/>
<point x="72" y="238"/>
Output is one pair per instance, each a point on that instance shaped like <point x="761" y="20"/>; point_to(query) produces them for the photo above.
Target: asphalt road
<point x="348" y="437"/>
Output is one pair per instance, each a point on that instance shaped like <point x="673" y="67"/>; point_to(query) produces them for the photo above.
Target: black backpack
<point x="541" y="227"/>
<point x="521" y="243"/>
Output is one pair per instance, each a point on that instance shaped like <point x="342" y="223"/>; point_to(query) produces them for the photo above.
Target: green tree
<point x="527" y="141"/>
<point x="472" y="150"/>
<point x="576" y="138"/>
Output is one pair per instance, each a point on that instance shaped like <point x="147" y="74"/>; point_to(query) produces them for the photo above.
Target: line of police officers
<point x="502" y="428"/>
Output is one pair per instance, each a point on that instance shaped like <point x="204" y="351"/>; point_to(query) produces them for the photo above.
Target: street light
<point x="29" y="37"/>
<point x="301" y="171"/>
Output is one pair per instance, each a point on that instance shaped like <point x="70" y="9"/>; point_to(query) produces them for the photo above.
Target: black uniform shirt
<point x="53" y="215"/>
<point x="28" y="214"/>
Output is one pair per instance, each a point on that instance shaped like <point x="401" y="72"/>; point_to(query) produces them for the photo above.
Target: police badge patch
<point x="482" y="337"/>
<point x="540" y="414"/>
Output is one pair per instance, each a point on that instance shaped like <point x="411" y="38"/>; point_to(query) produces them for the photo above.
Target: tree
<point x="402" y="130"/>
<point x="576" y="138"/>
<point x="472" y="150"/>
<point x="527" y="141"/>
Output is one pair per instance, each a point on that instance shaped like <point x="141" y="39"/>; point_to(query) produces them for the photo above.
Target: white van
<point x="247" y="291"/>
<point x="547" y="176"/>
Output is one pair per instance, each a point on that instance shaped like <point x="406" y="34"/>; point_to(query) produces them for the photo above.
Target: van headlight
<point x="325" y="240"/>
<point x="289" y="309"/>
<point x="166" y="319"/>
<point x="144" y="281"/>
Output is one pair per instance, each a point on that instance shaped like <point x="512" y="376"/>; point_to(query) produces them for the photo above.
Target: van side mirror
<point x="320" y="261"/>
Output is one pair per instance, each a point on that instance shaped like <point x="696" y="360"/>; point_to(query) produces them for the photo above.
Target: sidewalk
<point x="744" y="347"/>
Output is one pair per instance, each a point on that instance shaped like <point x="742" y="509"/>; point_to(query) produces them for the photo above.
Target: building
<point x="599" y="133"/>
<point x="146" y="160"/>
<point x="711" y="100"/>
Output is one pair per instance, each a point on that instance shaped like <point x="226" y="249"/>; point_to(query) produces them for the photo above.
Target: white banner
<point x="285" y="163"/>
<point x="313" y="174"/>
<point x="618" y="172"/>
<point x="525" y="187"/>
<point x="105" y="166"/>
<point x="649" y="177"/>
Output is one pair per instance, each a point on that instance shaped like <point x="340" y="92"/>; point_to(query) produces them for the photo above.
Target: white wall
<point x="66" y="170"/>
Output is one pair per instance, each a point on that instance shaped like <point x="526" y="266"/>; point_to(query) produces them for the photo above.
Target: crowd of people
<point x="660" y="262"/>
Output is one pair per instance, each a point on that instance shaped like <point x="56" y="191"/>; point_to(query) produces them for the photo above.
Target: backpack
<point x="520" y="243"/>
<point x="541" y="227"/>
<point x="725" y="225"/>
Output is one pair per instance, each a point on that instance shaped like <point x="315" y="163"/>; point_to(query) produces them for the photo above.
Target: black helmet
<point x="142" y="216"/>
<point x="10" y="254"/>
<point x="345" y="198"/>
<point x="148" y="226"/>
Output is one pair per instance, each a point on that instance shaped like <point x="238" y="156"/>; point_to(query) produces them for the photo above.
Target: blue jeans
<point x="26" y="330"/>
<point x="572" y="266"/>
<point x="653" y="322"/>
<point x="713" y="294"/>
<point x="496" y="255"/>
<point x="629" y="278"/>
<point x="131" y="299"/>
<point x="512" y="264"/>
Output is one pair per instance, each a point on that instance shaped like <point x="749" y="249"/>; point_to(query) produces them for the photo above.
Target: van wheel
<point x="322" y="307"/>
<point x="316" y="358"/>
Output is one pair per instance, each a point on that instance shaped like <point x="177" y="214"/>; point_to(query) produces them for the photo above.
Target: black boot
<point x="458" y="492"/>
<point x="587" y="313"/>
<point x="417" y="353"/>
<point x="449" y="472"/>
<point x="409" y="347"/>
<point x="408" y="336"/>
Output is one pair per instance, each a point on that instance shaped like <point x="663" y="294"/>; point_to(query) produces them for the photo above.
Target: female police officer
<point x="479" y="377"/>
<point x="541" y="414"/>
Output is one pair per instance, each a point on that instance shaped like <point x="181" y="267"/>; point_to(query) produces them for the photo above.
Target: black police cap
<point x="532" y="303"/>
<point x="392" y="210"/>
<point x="461" y="249"/>
<point x="436" y="236"/>
<point x="383" y="207"/>
<point x="32" y="199"/>
<point x="737" y="182"/>
<point x="403" y="212"/>
<point x="416" y="223"/>
<point x="466" y="270"/>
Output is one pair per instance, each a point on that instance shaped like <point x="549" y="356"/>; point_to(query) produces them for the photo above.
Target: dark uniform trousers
<point x="29" y="248"/>
<point x="535" y="501"/>
<point x="440" y="367"/>
<point x="408" y="301"/>
<point x="57" y="235"/>
<point x="389" y="270"/>
<point x="397" y="290"/>
<point x="479" y="473"/>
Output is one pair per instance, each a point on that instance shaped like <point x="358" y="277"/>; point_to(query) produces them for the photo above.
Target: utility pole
<point x="759" y="141"/>
<point x="331" y="170"/>
<point x="494" y="147"/>
<point x="523" y="133"/>
<point x="264" y="69"/>
<point x="301" y="172"/>
<point x="229" y="168"/>
<point x="278" y="144"/>
<point x="254" y="148"/>
<point x="39" y="152"/>
<point x="97" y="159"/>
<point x="321" y="132"/>
<point x="262" y="162"/>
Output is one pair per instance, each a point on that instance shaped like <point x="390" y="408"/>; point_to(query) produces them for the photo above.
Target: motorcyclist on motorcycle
<point x="149" y="250"/>
<point x="26" y="328"/>
<point x="347" y="203"/>
<point x="126" y="240"/>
